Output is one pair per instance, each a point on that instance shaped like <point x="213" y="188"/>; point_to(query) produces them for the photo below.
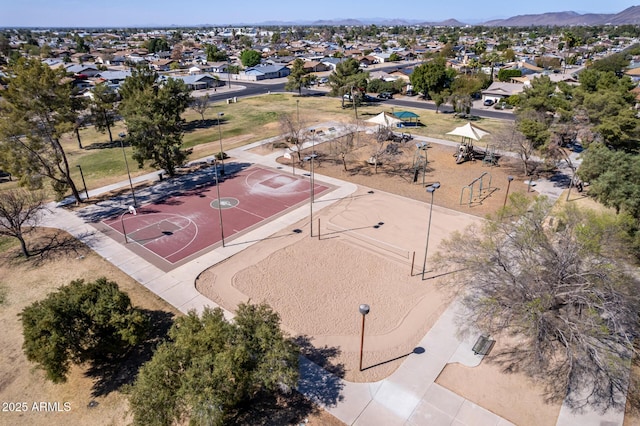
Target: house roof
<point x="114" y="75"/>
<point x="265" y="69"/>
<point x="503" y="89"/>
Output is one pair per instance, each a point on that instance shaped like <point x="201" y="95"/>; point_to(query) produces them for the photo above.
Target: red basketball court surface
<point x="180" y="227"/>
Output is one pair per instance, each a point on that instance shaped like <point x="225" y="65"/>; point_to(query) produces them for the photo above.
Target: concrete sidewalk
<point x="409" y="396"/>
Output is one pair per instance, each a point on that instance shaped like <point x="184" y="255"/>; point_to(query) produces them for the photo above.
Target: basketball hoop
<point x="132" y="210"/>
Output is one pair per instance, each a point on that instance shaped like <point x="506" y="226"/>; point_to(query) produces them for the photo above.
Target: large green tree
<point x="432" y="77"/>
<point x="103" y="108"/>
<point x="210" y="366"/>
<point x="35" y="111"/>
<point x="348" y="78"/>
<point x="614" y="178"/>
<point x="81" y="322"/>
<point x="250" y="58"/>
<point x="553" y="287"/>
<point x="299" y="78"/>
<point x="153" y="112"/>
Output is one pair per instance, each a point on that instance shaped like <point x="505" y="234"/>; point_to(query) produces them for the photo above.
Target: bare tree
<point x="293" y="131"/>
<point x="200" y="105"/>
<point x="345" y="144"/>
<point x="20" y="213"/>
<point x="557" y="290"/>
<point x="509" y="138"/>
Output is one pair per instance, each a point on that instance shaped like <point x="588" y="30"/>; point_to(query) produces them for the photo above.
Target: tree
<point x="81" y="322"/>
<point x="440" y="98"/>
<point x="511" y="139"/>
<point x="394" y="57"/>
<point x="299" y="78"/>
<point x="215" y="55"/>
<point x="103" y="107"/>
<point x="200" y="105"/>
<point x="348" y="78"/>
<point x="155" y="45"/>
<point x="211" y="366"/>
<point x="432" y="76"/>
<point x="20" y="213"/>
<point x="38" y="108"/>
<point x="557" y="290"/>
<point x="614" y="178"/>
<point x="250" y="58"/>
<point x="293" y="131"/>
<point x="153" y="113"/>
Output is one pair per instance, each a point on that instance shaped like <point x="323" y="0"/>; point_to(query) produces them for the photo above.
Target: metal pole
<point x="364" y="310"/>
<point x="430" y="189"/>
<point x="215" y="166"/>
<point x="220" y="114"/>
<point x="124" y="154"/>
<point x="298" y="109"/>
<point x="313" y="155"/>
<point x="83" y="182"/>
<point x="229" y="72"/>
<point x="124" y="231"/>
<point x="509" y="178"/>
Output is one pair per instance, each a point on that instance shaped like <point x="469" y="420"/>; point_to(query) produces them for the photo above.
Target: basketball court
<point x="181" y="227"/>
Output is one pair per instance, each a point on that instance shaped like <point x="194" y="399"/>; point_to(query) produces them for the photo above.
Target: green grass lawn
<point x="256" y="118"/>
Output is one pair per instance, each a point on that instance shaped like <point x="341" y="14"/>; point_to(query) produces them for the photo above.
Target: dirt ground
<point x="317" y="284"/>
<point x="396" y="174"/>
<point x="23" y="282"/>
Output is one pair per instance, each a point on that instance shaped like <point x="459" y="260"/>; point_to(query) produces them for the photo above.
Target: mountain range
<point x="630" y="16"/>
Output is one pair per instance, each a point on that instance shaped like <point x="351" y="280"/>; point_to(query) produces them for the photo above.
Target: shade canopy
<point x="406" y="115"/>
<point x="384" y="119"/>
<point x="469" y="131"/>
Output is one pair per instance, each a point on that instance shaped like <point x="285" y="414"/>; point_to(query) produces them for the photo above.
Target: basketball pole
<point x="215" y="166"/>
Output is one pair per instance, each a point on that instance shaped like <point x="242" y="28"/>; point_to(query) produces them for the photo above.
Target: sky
<point x="155" y="13"/>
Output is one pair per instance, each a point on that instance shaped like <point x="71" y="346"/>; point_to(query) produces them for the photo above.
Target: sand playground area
<point x="364" y="253"/>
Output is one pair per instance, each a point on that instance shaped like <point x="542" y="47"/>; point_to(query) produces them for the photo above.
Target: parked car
<point x="385" y="95"/>
<point x="488" y="102"/>
<point x="323" y="80"/>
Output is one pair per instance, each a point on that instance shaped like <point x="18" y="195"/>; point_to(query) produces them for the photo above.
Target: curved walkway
<point x="409" y="396"/>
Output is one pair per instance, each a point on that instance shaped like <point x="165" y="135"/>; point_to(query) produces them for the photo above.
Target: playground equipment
<point x="420" y="161"/>
<point x="481" y="188"/>
<point x="469" y="133"/>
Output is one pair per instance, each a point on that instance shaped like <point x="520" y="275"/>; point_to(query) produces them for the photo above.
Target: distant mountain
<point x="630" y="16"/>
<point x="448" y="23"/>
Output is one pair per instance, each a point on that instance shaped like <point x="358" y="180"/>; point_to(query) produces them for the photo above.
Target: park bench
<point x="483" y="345"/>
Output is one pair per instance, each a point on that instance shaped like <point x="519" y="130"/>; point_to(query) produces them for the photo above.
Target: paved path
<point x="409" y="396"/>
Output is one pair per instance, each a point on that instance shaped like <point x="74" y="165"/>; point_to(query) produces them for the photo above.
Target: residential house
<point x="162" y="64"/>
<point x="200" y="81"/>
<point x="78" y="69"/>
<point x="114" y="78"/>
<point x="499" y="90"/>
<point x="381" y="57"/>
<point x="265" y="72"/>
<point x="315" y="66"/>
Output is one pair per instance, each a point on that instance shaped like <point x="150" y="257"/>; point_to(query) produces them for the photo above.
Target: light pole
<point x="430" y="189"/>
<point x="220" y="114"/>
<point x="124" y="154"/>
<point x="215" y="166"/>
<point x="229" y="72"/>
<point x="131" y="210"/>
<point x="364" y="310"/>
<point x="311" y="180"/>
<point x="83" y="182"/>
<point x="509" y="178"/>
<point x="298" y="111"/>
